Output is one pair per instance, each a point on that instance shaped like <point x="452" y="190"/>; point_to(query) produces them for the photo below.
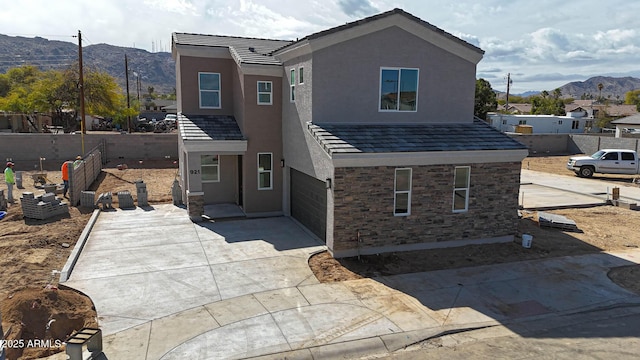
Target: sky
<point x="542" y="44"/>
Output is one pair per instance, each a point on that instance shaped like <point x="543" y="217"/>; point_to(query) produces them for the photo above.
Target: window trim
<point x="396" y="192"/>
<point x="399" y="70"/>
<point x="292" y="85"/>
<point x="466" y="189"/>
<point x="301" y="75"/>
<point x="270" y="92"/>
<point x="219" y="91"/>
<point x="210" y="165"/>
<point x="270" y="171"/>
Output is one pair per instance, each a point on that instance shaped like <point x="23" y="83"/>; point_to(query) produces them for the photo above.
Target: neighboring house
<point x="630" y="123"/>
<point x="520" y="109"/>
<point x="363" y="133"/>
<point x="543" y="124"/>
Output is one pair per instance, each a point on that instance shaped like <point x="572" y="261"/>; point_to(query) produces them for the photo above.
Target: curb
<point x="77" y="249"/>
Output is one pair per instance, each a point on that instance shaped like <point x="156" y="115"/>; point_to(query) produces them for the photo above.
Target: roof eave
<point x="428" y="158"/>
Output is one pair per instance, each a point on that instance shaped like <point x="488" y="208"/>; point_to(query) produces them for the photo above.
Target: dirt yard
<point x="31" y="249"/>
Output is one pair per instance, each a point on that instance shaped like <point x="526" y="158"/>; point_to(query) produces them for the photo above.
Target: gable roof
<point x="243" y="50"/>
<point x="412" y="24"/>
<point x="370" y="138"/>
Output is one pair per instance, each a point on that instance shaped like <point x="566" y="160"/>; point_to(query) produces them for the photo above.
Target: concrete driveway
<point x="166" y="288"/>
<point x="539" y="190"/>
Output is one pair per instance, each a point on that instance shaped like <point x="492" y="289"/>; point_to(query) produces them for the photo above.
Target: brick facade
<point x="364" y="200"/>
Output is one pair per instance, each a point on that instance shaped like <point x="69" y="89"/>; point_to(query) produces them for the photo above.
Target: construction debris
<point x="546" y="219"/>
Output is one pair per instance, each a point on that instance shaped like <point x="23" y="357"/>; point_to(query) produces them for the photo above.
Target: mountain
<point x="613" y="88"/>
<point x="154" y="69"/>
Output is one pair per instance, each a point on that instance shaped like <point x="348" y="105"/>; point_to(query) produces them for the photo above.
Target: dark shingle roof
<point x="383" y="15"/>
<point x="208" y="127"/>
<point x="368" y="138"/>
<point x="244" y="50"/>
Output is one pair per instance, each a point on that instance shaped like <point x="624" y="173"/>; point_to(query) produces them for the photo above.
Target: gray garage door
<point x="309" y="202"/>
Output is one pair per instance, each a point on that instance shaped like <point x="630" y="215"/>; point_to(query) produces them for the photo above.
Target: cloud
<point x="357" y="8"/>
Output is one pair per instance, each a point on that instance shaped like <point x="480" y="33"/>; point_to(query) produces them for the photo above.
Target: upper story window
<point x="209" y="86"/>
<point x="398" y="89"/>
<point x="301" y="75"/>
<point x="265" y="93"/>
<point x="292" y="93"/>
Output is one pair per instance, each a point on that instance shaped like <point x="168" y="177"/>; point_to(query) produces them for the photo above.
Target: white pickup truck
<point x="605" y="161"/>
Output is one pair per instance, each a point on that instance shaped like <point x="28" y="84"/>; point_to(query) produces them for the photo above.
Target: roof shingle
<point x="368" y="138"/>
<point x="243" y="50"/>
<point x="208" y="127"/>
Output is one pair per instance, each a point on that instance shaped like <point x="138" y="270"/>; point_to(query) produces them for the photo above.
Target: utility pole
<point x="126" y="72"/>
<point x="506" y="106"/>
<point x="81" y="86"/>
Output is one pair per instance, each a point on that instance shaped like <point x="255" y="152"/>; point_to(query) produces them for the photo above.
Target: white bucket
<point x="527" y="240"/>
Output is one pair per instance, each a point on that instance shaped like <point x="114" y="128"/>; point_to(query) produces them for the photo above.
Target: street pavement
<point x="167" y="288"/>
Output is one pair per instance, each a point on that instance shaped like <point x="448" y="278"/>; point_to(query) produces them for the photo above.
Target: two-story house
<point x="363" y="133"/>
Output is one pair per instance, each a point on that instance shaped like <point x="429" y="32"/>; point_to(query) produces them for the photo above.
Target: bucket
<point x="527" y="240"/>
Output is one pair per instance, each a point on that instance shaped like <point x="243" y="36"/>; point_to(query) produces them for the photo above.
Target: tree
<point x="485" y="100"/>
<point x="548" y="104"/>
<point x="57" y="92"/>
<point x="633" y="98"/>
<point x="600" y="86"/>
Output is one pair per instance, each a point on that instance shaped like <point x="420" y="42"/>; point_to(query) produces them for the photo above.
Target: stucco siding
<point x="263" y="128"/>
<point x="189" y="102"/>
<point x="226" y="190"/>
<point x="347" y="80"/>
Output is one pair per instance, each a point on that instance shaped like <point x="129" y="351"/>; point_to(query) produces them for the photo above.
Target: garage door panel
<point x="309" y="202"/>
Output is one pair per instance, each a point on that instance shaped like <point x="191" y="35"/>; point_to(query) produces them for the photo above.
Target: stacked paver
<point x="125" y="200"/>
<point x="3" y="201"/>
<point x="42" y="207"/>
<point x="87" y="199"/>
<point x="141" y="189"/>
<point x="106" y="200"/>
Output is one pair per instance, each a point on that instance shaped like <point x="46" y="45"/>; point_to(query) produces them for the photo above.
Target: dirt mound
<point x="39" y="320"/>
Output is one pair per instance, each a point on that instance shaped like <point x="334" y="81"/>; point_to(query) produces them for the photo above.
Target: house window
<point x="209" y="85"/>
<point x="264" y="93"/>
<point x="292" y="93"/>
<point x="461" y="188"/>
<point x="575" y="124"/>
<point x="559" y="122"/>
<point x="504" y="122"/>
<point x="210" y="168"/>
<point x="522" y="122"/>
<point x="265" y="171"/>
<point x="398" y="89"/>
<point x="588" y="124"/>
<point x="301" y="76"/>
<point x="402" y="193"/>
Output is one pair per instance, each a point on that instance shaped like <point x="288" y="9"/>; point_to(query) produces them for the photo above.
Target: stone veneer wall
<point x="363" y="202"/>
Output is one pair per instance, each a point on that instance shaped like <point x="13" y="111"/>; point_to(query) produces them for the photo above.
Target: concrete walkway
<point x="166" y="288"/>
<point x="539" y="190"/>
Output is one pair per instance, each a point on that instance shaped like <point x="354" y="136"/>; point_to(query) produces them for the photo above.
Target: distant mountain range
<point x="612" y="88"/>
<point x="158" y="69"/>
<point x="154" y="69"/>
